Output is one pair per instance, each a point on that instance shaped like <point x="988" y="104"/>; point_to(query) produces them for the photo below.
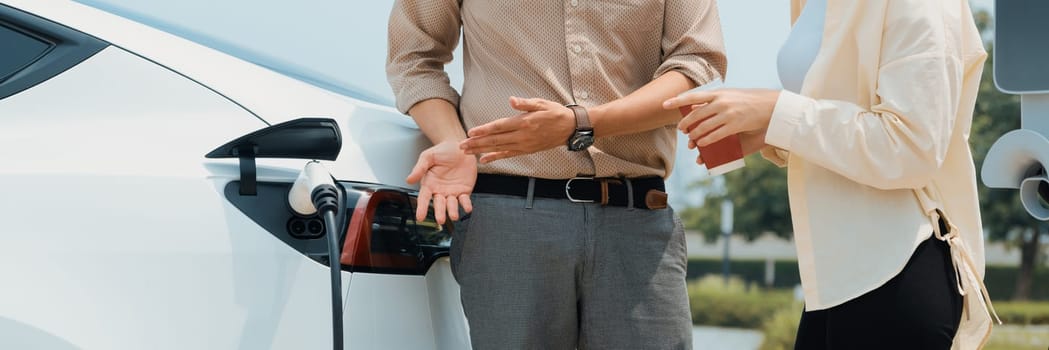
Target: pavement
<point x="770" y="246"/>
<point x="717" y="338"/>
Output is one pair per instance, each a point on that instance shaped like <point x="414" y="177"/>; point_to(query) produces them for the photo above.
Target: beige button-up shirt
<point x="877" y="139"/>
<point x="586" y="52"/>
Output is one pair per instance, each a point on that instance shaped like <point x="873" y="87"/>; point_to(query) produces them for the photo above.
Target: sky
<point x="341" y="45"/>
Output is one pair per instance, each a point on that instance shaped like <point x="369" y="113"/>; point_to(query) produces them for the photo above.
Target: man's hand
<point x="447" y="175"/>
<point x="543" y="125"/>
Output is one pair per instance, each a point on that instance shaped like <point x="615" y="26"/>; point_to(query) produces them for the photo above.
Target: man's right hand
<point x="446" y="175"/>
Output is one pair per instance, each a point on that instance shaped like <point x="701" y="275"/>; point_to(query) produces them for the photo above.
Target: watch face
<point x="581" y="141"/>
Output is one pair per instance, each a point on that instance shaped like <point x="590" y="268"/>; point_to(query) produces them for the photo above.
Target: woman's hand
<point x="751" y="142"/>
<point x="724" y="112"/>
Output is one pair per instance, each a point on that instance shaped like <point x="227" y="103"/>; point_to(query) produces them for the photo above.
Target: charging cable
<point x="314" y="192"/>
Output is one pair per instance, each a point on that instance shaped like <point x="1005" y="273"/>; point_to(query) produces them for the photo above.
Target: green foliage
<point x="782" y="328"/>
<point x="774" y="311"/>
<point x="759" y="198"/>
<point x="751" y="271"/>
<point x="1023" y="312"/>
<point x="1003" y="216"/>
<point x="714" y="303"/>
<point x="995" y="114"/>
<point x="1000" y="280"/>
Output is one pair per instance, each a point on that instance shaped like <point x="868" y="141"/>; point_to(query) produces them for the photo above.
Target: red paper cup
<point x="723" y="156"/>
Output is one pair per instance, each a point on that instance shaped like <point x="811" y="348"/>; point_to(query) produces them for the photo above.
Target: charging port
<point x="311" y="227"/>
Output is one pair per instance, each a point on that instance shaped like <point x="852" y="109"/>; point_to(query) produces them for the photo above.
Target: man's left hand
<point x="542" y="125"/>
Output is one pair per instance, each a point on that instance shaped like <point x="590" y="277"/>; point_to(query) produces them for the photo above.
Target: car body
<point x="118" y="233"/>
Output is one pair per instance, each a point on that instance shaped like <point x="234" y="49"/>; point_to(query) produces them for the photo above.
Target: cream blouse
<point x="876" y="142"/>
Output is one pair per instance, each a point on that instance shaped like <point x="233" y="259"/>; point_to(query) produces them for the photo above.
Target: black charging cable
<point x="326" y="199"/>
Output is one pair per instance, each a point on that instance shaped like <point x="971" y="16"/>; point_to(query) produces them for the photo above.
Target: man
<point x="569" y="242"/>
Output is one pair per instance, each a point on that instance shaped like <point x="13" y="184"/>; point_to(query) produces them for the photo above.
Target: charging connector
<point x="315" y="192"/>
<point x="327" y="205"/>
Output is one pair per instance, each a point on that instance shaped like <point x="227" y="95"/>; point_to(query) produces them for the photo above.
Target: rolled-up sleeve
<point x="692" y="41"/>
<point x="777" y="156"/>
<point x="422" y="36"/>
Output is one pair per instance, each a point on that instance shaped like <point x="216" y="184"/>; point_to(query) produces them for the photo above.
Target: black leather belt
<point x="648" y="192"/>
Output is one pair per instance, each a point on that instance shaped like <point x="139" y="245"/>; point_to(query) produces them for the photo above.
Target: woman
<point x="873" y="130"/>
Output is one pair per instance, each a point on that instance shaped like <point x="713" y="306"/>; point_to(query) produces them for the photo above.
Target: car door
<point x="116" y="232"/>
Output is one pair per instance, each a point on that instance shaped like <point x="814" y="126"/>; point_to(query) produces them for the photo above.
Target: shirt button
<point x="575" y="3"/>
<point x="577" y="49"/>
<point x="583" y="95"/>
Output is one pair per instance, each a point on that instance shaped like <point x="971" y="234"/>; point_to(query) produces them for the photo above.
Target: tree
<point x="1004" y="218"/>
<point x="759" y="197"/>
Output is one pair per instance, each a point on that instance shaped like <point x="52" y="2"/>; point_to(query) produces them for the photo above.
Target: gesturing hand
<point x="543" y="125"/>
<point x="447" y="175"/>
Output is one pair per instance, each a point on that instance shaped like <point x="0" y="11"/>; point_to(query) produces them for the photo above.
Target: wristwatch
<point x="583" y="136"/>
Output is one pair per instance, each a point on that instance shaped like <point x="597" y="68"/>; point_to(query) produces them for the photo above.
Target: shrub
<point x="752" y="271"/>
<point x="1000" y="280"/>
<point x="1023" y="313"/>
<point x="715" y="303"/>
<point x="1018" y="334"/>
<point x="1018" y="338"/>
<point x="782" y="328"/>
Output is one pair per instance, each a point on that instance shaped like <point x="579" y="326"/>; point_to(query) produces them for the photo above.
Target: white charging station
<point x="1019" y="159"/>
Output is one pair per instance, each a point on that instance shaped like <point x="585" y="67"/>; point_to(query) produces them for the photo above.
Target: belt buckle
<point x="568" y="192"/>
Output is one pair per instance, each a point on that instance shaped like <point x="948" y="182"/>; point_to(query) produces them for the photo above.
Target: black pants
<point x="918" y="309"/>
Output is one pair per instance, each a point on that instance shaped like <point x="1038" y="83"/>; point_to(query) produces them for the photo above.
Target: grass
<point x="1010" y="337"/>
<point x="1023" y="312"/>
<point x="775" y="312"/>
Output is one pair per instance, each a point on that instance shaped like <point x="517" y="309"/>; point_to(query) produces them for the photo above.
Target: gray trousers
<point x="565" y="275"/>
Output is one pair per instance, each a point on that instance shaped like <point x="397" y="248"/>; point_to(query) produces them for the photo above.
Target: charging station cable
<point x="314" y="191"/>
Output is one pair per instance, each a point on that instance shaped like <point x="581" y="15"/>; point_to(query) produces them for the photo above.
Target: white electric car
<point x="144" y="184"/>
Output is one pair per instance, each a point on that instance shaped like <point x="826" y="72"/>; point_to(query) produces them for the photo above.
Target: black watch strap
<point x="582" y="119"/>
